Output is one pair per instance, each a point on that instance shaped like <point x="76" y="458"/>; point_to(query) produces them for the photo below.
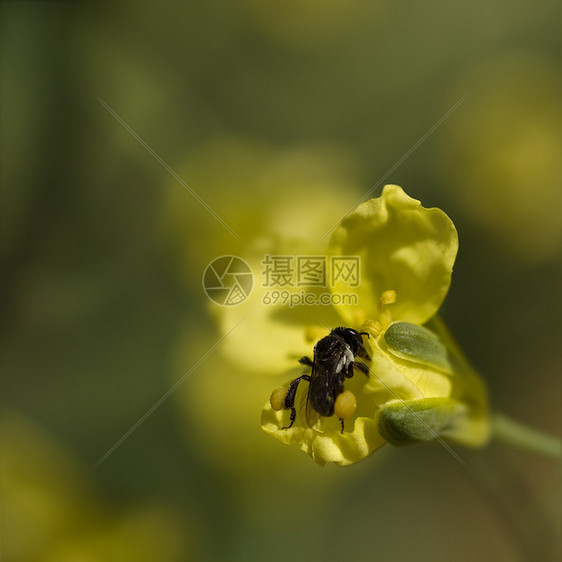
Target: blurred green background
<point x="252" y="103"/>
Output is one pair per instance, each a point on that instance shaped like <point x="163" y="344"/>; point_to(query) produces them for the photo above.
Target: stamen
<point x="387" y="297"/>
<point x="373" y="328"/>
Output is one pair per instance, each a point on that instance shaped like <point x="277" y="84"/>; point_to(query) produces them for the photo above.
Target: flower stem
<point x="524" y="437"/>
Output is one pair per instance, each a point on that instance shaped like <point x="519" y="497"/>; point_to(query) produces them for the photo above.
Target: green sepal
<point x="418" y="344"/>
<point x="408" y="422"/>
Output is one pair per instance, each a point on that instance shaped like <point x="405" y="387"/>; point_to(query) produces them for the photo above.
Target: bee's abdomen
<point x="322" y="402"/>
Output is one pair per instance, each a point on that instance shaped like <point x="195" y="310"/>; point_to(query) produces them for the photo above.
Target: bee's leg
<point x="290" y="398"/>
<point x="341" y="422"/>
<point x="362" y="351"/>
<point x="306" y="361"/>
<point x="361" y="366"/>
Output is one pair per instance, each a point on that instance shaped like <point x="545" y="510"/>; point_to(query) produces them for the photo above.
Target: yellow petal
<point x="327" y="445"/>
<point x="403" y="247"/>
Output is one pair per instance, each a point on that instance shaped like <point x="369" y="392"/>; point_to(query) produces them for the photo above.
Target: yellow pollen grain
<point x="277" y="398"/>
<point x="345" y="405"/>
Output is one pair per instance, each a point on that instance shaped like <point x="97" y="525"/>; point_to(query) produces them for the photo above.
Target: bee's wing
<point x="312" y="416"/>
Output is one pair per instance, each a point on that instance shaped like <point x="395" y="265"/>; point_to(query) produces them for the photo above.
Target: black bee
<point x="334" y="361"/>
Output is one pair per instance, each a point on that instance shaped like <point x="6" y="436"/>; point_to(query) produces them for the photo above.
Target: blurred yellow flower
<point x="53" y="514"/>
<point x="268" y="197"/>
<point x="263" y="193"/>
<point x="419" y="386"/>
<point x="307" y="24"/>
<point x="502" y="152"/>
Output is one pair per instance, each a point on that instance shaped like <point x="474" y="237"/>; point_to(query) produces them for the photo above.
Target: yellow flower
<point x="419" y="386"/>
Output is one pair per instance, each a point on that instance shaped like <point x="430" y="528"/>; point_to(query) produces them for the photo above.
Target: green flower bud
<point x="418" y="344"/>
<point x="408" y="422"/>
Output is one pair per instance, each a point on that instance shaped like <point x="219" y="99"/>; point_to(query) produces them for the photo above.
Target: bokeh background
<point x="280" y="115"/>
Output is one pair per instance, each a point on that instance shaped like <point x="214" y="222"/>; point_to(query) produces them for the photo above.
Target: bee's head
<point x="353" y="339"/>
